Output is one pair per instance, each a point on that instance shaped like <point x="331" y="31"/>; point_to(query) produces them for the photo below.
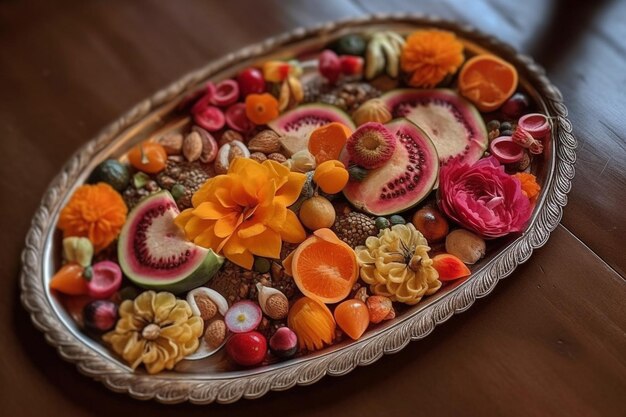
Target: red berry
<point x="329" y="66"/>
<point x="211" y="118"/>
<point x="251" y="81"/>
<point x="514" y="107"/>
<point x="205" y="99"/>
<point x="237" y="120"/>
<point x="226" y="93"/>
<point x="351" y="64"/>
<point x="247" y="349"/>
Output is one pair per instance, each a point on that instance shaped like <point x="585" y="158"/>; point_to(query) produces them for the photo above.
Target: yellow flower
<point x="155" y="329"/>
<point x="244" y="212"/>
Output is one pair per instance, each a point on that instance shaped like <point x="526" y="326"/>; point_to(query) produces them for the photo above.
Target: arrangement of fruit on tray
<point x="302" y="202"/>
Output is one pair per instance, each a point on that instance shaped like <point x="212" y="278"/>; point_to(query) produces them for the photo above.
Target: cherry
<point x="226" y="93"/>
<point x="247" y="349"/>
<point x="514" y="107"/>
<point x="431" y="223"/>
<point x="237" y="120"/>
<point x="351" y="64"/>
<point x="329" y="66"/>
<point x="251" y="81"/>
<point x="211" y="118"/>
<point x="205" y="99"/>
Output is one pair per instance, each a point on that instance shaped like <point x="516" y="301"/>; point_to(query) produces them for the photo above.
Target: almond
<point x="172" y="143"/>
<point x="227" y="153"/>
<point x="215" y="333"/>
<point x="266" y="141"/>
<point x="229" y="136"/>
<point x="258" y="156"/>
<point x="192" y="146"/>
<point x="207" y="307"/>
<point x="278" y="157"/>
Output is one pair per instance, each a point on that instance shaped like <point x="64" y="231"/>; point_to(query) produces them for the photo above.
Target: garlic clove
<point x="217" y="298"/>
<point x="273" y="302"/>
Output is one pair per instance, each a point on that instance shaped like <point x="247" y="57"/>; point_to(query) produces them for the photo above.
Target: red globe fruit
<point x="431" y="223"/>
<point x="247" y="349"/>
<point x="251" y="81"/>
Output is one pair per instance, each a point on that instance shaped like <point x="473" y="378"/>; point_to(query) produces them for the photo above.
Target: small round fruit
<point x="353" y="317"/>
<point x="247" y="349"/>
<point x="514" y="107"/>
<point x="148" y="157"/>
<point x="243" y="316"/>
<point x="371" y="145"/>
<point x="226" y="93"/>
<point x="317" y="213"/>
<point x="210" y="118"/>
<point x="329" y="66"/>
<point x="236" y="118"/>
<point x="493" y="125"/>
<point x="431" y="223"/>
<point x="284" y="343"/>
<point x="465" y="245"/>
<point x="397" y="219"/>
<point x="251" y="81"/>
<point x="100" y="315"/>
<point x="106" y="279"/>
<point x="352" y="44"/>
<point x="113" y="172"/>
<point x="382" y="223"/>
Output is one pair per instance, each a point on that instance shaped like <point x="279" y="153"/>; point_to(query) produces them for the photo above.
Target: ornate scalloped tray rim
<point x="253" y="385"/>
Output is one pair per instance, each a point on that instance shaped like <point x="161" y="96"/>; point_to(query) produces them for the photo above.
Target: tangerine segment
<point x="326" y="142"/>
<point x="312" y="322"/>
<point x="324" y="270"/>
<point x="487" y="81"/>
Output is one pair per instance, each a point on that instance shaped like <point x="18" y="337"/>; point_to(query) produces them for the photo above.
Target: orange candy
<point x="312" y="322"/>
<point x="148" y="157"/>
<point x="326" y="142"/>
<point x="352" y="316"/>
<point x="261" y="108"/>
<point x="69" y="280"/>
<point x="324" y="267"/>
<point x="487" y="81"/>
<point x="331" y="176"/>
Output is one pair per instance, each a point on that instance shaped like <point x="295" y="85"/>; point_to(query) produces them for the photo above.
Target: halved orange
<point x="324" y="267"/>
<point x="487" y="81"/>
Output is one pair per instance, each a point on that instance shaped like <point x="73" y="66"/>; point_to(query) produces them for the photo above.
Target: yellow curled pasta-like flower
<point x="396" y="264"/>
<point x="155" y="329"/>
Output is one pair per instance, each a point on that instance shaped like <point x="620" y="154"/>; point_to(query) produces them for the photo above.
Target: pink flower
<point x="483" y="198"/>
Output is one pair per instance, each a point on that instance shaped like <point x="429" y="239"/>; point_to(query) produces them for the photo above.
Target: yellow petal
<point x="266" y="244"/>
<point x="245" y="260"/>
<point x="208" y="189"/>
<point x="240" y="195"/>
<point x="195" y="226"/>
<point x="250" y="229"/>
<point x="209" y="210"/>
<point x="276" y="218"/>
<point x="226" y="225"/>
<point x="290" y="191"/>
<point x="182" y="219"/>
<point x="292" y="230"/>
<point x="207" y="239"/>
<point x="277" y="172"/>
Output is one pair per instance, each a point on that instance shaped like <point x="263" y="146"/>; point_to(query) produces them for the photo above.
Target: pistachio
<point x="266" y="141"/>
<point x="172" y="143"/>
<point x="273" y="302"/>
<point x="192" y="146"/>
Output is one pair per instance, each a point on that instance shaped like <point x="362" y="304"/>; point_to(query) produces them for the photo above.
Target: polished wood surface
<point x="550" y="340"/>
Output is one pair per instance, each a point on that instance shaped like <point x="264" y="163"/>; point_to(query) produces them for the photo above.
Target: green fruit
<point x="349" y="45"/>
<point x="113" y="172"/>
<point x="262" y="265"/>
<point x="178" y="190"/>
<point x="382" y="223"/>
<point x="140" y="179"/>
<point x="396" y="219"/>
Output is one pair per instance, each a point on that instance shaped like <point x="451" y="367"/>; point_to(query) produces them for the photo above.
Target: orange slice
<point x="487" y="81"/>
<point x="324" y="267"/>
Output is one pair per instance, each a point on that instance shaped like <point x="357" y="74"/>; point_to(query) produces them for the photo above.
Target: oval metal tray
<point x="209" y="381"/>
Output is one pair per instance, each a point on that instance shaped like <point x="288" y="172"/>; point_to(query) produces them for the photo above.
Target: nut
<point x="278" y="157"/>
<point x="266" y="141"/>
<point x="229" y="136"/>
<point x="192" y="146"/>
<point x="207" y="307"/>
<point x="172" y="143"/>
<point x="215" y="333"/>
<point x="258" y="156"/>
<point x="227" y="153"/>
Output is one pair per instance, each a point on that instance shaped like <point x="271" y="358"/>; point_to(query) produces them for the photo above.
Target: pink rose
<point x="483" y="198"/>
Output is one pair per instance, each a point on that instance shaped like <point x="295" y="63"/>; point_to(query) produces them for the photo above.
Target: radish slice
<point x="226" y="93"/>
<point x="505" y="150"/>
<point x="243" y="316"/>
<point x="106" y="279"/>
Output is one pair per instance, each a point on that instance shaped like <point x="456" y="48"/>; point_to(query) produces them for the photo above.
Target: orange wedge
<point x="324" y="267"/>
<point x="487" y="81"/>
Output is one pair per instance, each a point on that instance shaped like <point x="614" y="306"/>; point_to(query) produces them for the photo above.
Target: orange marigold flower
<point x="530" y="188"/>
<point x="96" y="212"/>
<point x="430" y="55"/>
<point x="244" y="212"/>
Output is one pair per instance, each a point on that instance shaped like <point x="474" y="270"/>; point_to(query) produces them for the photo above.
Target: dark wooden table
<point x="550" y="340"/>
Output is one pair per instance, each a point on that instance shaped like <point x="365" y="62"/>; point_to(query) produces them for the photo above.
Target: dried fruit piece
<point x="487" y="81"/>
<point x="148" y="157"/>
<point x="284" y="343"/>
<point x="69" y="280"/>
<point x="237" y="120"/>
<point x="320" y="275"/>
<point x="352" y="316"/>
<point x="371" y="145"/>
<point x="327" y="141"/>
<point x="379" y="308"/>
<point x="373" y="110"/>
<point x="247" y="349"/>
<point x="467" y="246"/>
<point x="450" y="267"/>
<point x="226" y="93"/>
<point x="243" y="316"/>
<point x="317" y="213"/>
<point x="331" y="176"/>
<point x="210" y="118"/>
<point x="312" y="322"/>
<point x="431" y="223"/>
<point x="261" y="108"/>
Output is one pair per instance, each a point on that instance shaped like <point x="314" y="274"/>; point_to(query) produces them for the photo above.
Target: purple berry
<point x="515" y="106"/>
<point x="100" y="315"/>
<point x="284" y="343"/>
